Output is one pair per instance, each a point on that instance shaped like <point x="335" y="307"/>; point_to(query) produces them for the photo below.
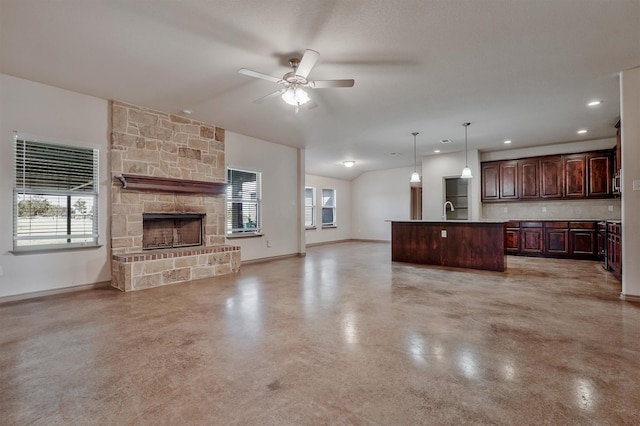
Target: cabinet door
<point x="529" y="179"/>
<point x="583" y="243"/>
<point x="490" y="181"/>
<point x="512" y="240"/>
<point x="509" y="180"/>
<point x="551" y="177"/>
<point x="557" y="241"/>
<point x="531" y="238"/>
<point x="575" y="177"/>
<point x="599" y="182"/>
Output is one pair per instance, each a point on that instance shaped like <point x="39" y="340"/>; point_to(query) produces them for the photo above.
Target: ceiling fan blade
<point x="323" y="84"/>
<point x="269" y="96"/>
<point x="307" y="62"/>
<point x="257" y="74"/>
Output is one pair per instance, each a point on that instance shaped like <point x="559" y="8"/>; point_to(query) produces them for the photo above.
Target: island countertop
<point x="461" y="243"/>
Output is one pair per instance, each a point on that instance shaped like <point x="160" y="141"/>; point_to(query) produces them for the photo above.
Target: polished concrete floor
<point x="342" y="336"/>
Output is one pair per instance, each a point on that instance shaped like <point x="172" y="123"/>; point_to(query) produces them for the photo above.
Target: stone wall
<point x="145" y="142"/>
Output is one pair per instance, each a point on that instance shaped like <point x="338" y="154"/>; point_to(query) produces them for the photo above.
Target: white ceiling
<point x="516" y="69"/>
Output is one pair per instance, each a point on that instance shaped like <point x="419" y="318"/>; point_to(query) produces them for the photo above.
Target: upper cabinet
<point x="583" y="175"/>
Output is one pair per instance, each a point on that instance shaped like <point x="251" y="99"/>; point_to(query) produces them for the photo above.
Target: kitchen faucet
<point x="444" y="209"/>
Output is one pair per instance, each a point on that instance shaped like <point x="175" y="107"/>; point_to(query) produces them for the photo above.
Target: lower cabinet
<point x="532" y="237"/>
<point x="563" y="239"/>
<point x="614" y="249"/>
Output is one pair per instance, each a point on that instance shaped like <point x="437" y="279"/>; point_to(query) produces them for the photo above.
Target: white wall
<point x="343" y="210"/>
<point x="630" y="121"/>
<point x="377" y="197"/>
<point x="280" y="191"/>
<point x="59" y="116"/>
<point x="434" y="169"/>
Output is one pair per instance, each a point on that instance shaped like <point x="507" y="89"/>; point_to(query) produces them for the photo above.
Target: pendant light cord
<point x="415" y="155"/>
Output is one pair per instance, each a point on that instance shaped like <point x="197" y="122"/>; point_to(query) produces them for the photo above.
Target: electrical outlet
<point x="268" y="243"/>
<point x="610" y="208"/>
<point x="544" y="210"/>
<point x="506" y="209"/>
<point x="443" y="233"/>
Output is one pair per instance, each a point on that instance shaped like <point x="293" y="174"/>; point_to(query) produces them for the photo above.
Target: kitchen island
<point x="464" y="244"/>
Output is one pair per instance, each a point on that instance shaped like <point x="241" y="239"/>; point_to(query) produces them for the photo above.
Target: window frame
<point x="332" y="206"/>
<point x="256" y="231"/>
<point x="311" y="206"/>
<point x="31" y="155"/>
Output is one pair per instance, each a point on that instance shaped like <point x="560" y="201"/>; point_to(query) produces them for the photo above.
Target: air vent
<point x="445" y="141"/>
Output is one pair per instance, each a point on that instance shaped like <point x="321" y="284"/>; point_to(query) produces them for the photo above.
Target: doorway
<point x="416" y="202"/>
<point x="456" y="190"/>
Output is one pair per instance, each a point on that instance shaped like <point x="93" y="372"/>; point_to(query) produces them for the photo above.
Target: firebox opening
<point x="169" y="230"/>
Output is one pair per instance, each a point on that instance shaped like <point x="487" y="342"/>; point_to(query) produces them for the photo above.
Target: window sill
<point x="238" y="236"/>
<point x="330" y="227"/>
<point x="53" y="249"/>
<point x="310" y="228"/>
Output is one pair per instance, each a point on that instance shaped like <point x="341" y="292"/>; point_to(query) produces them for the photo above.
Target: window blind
<point x="243" y="202"/>
<point x="55" y="194"/>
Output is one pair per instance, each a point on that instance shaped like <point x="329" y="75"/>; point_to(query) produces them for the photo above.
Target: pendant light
<point x="415" y="177"/>
<point x="466" y="172"/>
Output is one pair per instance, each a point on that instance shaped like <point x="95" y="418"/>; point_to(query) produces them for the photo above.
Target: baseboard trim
<point x="269" y="259"/>
<point x="349" y="240"/>
<point x="53" y="292"/>
<point x="630" y="298"/>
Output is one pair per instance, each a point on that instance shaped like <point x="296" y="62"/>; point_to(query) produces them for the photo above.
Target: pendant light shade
<point x="466" y="172"/>
<point x="415" y="177"/>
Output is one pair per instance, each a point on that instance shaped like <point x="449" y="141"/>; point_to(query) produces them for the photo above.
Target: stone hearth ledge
<point x="137" y="271"/>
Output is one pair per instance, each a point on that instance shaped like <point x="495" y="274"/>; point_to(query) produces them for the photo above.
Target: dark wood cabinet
<point x="583" y="241"/>
<point x="575" y="176"/>
<point x="557" y="238"/>
<point x="554" y="238"/>
<point x="532" y="238"/>
<point x="529" y="179"/>
<point x="512" y="237"/>
<point x="490" y="181"/>
<point x="551" y="177"/>
<point x="599" y="182"/>
<point x="583" y="175"/>
<point x="614" y="249"/>
<point x="508" y="180"/>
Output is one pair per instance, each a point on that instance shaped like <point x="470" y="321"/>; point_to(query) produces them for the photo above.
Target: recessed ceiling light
<point x="349" y="163"/>
<point x="582" y="131"/>
<point x="507" y="141"/>
<point x="437" y="151"/>
<point x="594" y="103"/>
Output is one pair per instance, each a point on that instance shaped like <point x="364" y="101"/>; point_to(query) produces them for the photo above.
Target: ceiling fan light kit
<point x="295" y="80"/>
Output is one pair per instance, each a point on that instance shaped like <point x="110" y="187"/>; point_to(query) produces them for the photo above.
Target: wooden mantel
<point x="171" y="185"/>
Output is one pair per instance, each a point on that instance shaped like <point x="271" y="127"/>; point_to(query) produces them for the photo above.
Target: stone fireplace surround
<point x="162" y="163"/>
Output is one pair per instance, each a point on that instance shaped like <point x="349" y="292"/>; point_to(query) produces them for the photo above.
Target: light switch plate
<point x="636" y="184"/>
<point x="443" y="233"/>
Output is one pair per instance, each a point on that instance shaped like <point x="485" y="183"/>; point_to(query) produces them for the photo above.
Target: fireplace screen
<point x="171" y="230"/>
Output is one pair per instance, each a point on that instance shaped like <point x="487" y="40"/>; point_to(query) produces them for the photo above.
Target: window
<point x="309" y="207"/>
<point x="243" y="202"/>
<point x="55" y="195"/>
<point x="328" y="208"/>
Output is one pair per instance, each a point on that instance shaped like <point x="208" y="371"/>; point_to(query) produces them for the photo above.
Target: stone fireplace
<point x="167" y="200"/>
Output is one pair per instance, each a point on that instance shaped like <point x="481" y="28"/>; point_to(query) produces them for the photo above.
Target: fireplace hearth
<point x="171" y="230"/>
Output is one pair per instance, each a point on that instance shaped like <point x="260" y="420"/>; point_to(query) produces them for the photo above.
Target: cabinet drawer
<point x="582" y="225"/>
<point x="555" y="224"/>
<point x="531" y="224"/>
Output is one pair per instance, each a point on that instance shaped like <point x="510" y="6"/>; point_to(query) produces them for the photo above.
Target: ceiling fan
<point x="294" y="81"/>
